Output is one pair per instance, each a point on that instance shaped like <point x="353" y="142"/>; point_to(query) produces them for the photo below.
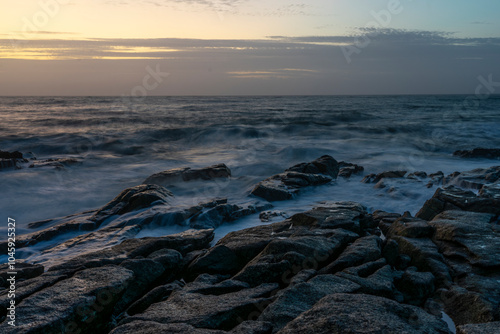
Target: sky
<point x="247" y="47"/>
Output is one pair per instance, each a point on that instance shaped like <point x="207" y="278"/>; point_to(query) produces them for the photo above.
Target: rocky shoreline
<point x="336" y="268"/>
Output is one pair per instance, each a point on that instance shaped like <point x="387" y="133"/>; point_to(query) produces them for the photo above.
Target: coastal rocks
<point x="284" y="186"/>
<point x="11" y="155"/>
<point x="132" y="199"/>
<point x="486" y="328"/>
<point x="171" y="176"/>
<point x="81" y="302"/>
<point x="375" y="178"/>
<point x="454" y="198"/>
<point x="471" y="236"/>
<point x="24" y="271"/>
<point x="11" y="159"/>
<point x="347" y="169"/>
<point x="361" y="313"/>
<point x="223" y="312"/>
<point x="56" y="163"/>
<point x="474" y="179"/>
<point x="488" y="153"/>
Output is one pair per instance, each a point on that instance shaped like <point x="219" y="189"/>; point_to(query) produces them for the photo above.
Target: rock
<point x="156" y="295"/>
<point x="419" y="175"/>
<point x="436" y="178"/>
<point x="284" y="186"/>
<point x="208" y="311"/>
<point x="425" y="256"/>
<point x="324" y="165"/>
<point x="253" y="327"/>
<point x="56" y="163"/>
<point x="293" y="301"/>
<point x="416" y="286"/>
<point x="83" y="302"/>
<point x="131" y="248"/>
<point x="466" y="307"/>
<point x="361" y="313"/>
<point x="171" y="176"/>
<point x="146" y="272"/>
<point x="488" y="153"/>
<point x="490" y="191"/>
<point x="11" y="155"/>
<point x="132" y="199"/>
<point x="475" y="232"/>
<point x="390" y="251"/>
<point x="24" y="271"/>
<point x="348" y="169"/>
<point x="375" y="178"/>
<point x="486" y="328"/>
<point x="363" y="250"/>
<point x="152" y="327"/>
<point x="475" y="178"/>
<point x="453" y="198"/>
<point x="380" y="283"/>
<point x="409" y="227"/>
<point x="266" y="216"/>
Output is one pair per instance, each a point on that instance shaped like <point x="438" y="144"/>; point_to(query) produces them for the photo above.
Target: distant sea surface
<point x="121" y="142"/>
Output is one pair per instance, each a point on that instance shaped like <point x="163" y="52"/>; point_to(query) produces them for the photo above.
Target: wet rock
<point x="11" y="155"/>
<point x="325" y="165"/>
<point x="82" y="302"/>
<point x="284" y="186"/>
<point x="476" y="233"/>
<point x="419" y="175"/>
<point x="416" y="286"/>
<point x="361" y="313"/>
<point x="453" y="198"/>
<point x="156" y="295"/>
<point x="490" y="191"/>
<point x="24" y="271"/>
<point x="172" y="176"/>
<point x="348" y="169"/>
<point x="479" y="152"/>
<point x="375" y="178"/>
<point x="146" y="272"/>
<point x="363" y="250"/>
<point x="208" y="311"/>
<point x="266" y="216"/>
<point x="408" y="227"/>
<point x="131" y="248"/>
<point x="486" y="328"/>
<point x="466" y="307"/>
<point x="132" y="199"/>
<point x="153" y="327"/>
<point x="475" y="178"/>
<point x="390" y="251"/>
<point x="56" y="163"/>
<point x="426" y="257"/>
<point x="293" y="301"/>
<point x="436" y="179"/>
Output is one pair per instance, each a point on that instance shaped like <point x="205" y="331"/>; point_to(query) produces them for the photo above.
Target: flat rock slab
<point x="171" y="176"/>
<point x="475" y="231"/>
<point x="208" y="311"/>
<point x="487" y="328"/>
<point x="364" y="314"/>
<point x="81" y="302"/>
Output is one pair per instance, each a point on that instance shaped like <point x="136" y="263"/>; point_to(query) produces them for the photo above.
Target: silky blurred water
<point x="120" y="143"/>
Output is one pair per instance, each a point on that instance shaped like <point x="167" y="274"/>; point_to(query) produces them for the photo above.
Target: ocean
<point x="119" y="142"/>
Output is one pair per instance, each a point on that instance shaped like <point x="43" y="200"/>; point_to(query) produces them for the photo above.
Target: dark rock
<point x="380" y="283"/>
<point x="146" y="271"/>
<point x="131" y="248"/>
<point x="293" y="301"/>
<point x="169" y="258"/>
<point x="361" y="313"/>
<point x="425" y="256"/>
<point x="156" y="295"/>
<point x="11" y="155"/>
<point x="417" y="175"/>
<point x="187" y="174"/>
<point x="363" y="250"/>
<point x="348" y="169"/>
<point x="416" y="286"/>
<point x="253" y="327"/>
<point x="466" y="307"/>
<point x="475" y="232"/>
<point x="375" y="178"/>
<point x="208" y="311"/>
<point x="475" y="178"/>
<point x="132" y="199"/>
<point x="390" y="251"/>
<point x="488" y="153"/>
<point x="82" y="302"/>
<point x="284" y="186"/>
<point x="436" y="179"/>
<point x="266" y="216"/>
<point x="324" y="165"/>
<point x="410" y="227"/>
<point x="453" y="198"/>
<point x="366" y="269"/>
<point x="56" y="163"/>
<point x="490" y="191"/>
<point x="153" y="327"/>
<point x="486" y="328"/>
<point x="24" y="271"/>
